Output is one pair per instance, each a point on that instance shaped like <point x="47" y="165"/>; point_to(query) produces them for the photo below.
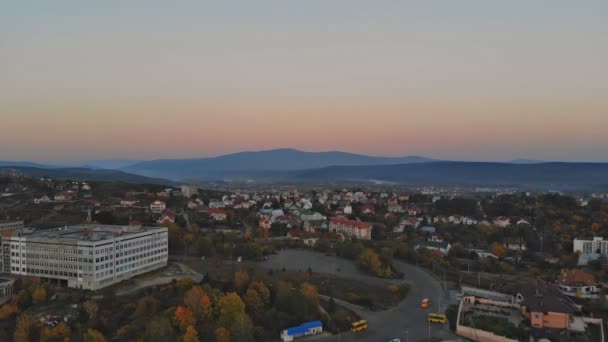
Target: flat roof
<point x="11" y="221"/>
<point x="98" y="232"/>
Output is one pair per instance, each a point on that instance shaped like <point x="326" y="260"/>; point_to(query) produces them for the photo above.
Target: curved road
<point x="407" y="321"/>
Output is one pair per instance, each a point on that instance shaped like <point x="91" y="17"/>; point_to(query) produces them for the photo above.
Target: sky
<point x="459" y="80"/>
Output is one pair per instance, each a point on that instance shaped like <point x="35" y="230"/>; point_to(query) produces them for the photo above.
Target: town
<point x="102" y="261"/>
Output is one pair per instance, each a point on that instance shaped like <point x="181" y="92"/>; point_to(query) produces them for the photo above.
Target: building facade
<point x="587" y="246"/>
<point x="350" y="228"/>
<point x="10" y="225"/>
<point x="189" y="190"/>
<point x="85" y="256"/>
<point x="6" y="289"/>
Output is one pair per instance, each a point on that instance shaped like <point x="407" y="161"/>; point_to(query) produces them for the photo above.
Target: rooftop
<point x="89" y="232"/>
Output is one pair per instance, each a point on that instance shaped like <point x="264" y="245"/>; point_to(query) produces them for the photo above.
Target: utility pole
<point x="407" y="336"/>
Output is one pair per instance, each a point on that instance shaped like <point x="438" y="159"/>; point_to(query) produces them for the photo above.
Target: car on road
<point x="437" y="318"/>
<point x="395" y="340"/>
<point x="425" y="303"/>
<point x="359" y="325"/>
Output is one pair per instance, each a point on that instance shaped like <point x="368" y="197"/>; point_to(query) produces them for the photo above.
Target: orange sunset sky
<point x="454" y="80"/>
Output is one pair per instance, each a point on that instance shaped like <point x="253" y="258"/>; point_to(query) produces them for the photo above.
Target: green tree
<point x="230" y="306"/>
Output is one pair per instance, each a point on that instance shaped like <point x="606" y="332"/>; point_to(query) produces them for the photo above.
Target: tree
<point x="183" y="317"/>
<point x="253" y="302"/>
<point x="222" y="335"/>
<point x="39" y="295"/>
<point x="311" y="294"/>
<point x="146" y="307"/>
<point x="60" y="332"/>
<point x="25" y="322"/>
<point x="230" y="306"/>
<point x="191" y="335"/>
<point x="498" y="249"/>
<point x="159" y="329"/>
<point x="262" y="291"/>
<point x="241" y="280"/>
<point x="93" y="335"/>
<point x="185" y="283"/>
<point x="198" y="301"/>
<point x="8" y="310"/>
<point x="370" y="261"/>
<point x="91" y="308"/>
<point x="241" y="328"/>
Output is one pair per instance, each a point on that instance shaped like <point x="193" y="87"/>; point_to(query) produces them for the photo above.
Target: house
<point x="546" y="306"/>
<point x="295" y="233"/>
<point x="502" y="222"/>
<point x="413" y="210"/>
<point x="428" y="229"/>
<point x="43" y="199"/>
<point x="435" y="243"/>
<point x="350" y="228"/>
<point x="393" y="205"/>
<point x="63" y="196"/>
<point x="469" y="221"/>
<point x="167" y="216"/>
<point x="455" y="219"/>
<point x="158" y="206"/>
<point x="218" y="214"/>
<point x="216" y="204"/>
<point x="311" y="216"/>
<point x="347" y="210"/>
<point x="127" y="203"/>
<point x="578" y="283"/>
<point x="408" y="222"/>
<point x="368" y="209"/>
<point x="517" y="244"/>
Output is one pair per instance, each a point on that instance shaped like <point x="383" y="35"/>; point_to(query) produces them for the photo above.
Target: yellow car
<point x="437" y="318"/>
<point x="425" y="303"/>
<point x="359" y="325"/>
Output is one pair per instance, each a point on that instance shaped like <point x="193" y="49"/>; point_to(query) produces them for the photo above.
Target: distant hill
<point x="525" y="161"/>
<point x="276" y="160"/>
<point x="25" y="163"/>
<point x="554" y="174"/>
<point x="82" y="174"/>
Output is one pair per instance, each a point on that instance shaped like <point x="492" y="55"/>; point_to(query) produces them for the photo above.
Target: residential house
<point x="517" y="244"/>
<point x="413" y="210"/>
<point x="578" y="283"/>
<point x="64" y="196"/>
<point x="264" y="222"/>
<point x="127" y="203"/>
<point x="167" y="216"/>
<point x="218" y="214"/>
<point x="368" y="209"/>
<point x="434" y="243"/>
<point x="428" y="229"/>
<point x="158" y="206"/>
<point x="546" y="306"/>
<point x="350" y="228"/>
<point x="502" y="222"/>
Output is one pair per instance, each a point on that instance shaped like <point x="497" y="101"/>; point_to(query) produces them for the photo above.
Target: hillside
<point x="81" y="174"/>
<point x="277" y="160"/>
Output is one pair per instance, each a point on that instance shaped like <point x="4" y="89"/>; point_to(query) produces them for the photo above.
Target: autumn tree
<point x="60" y="332"/>
<point x="146" y="307"/>
<point x="191" y="335"/>
<point x="8" y="310"/>
<point x="498" y="249"/>
<point x="241" y="280"/>
<point x="253" y="302"/>
<point x="159" y="329"/>
<point x="369" y="260"/>
<point x="262" y="291"/>
<point x="241" y="328"/>
<point x="222" y="334"/>
<point x="25" y="322"/>
<point x="183" y="317"/>
<point x="198" y="301"/>
<point x="229" y="306"/>
<point x="91" y="308"/>
<point x="93" y="335"/>
<point x="185" y="283"/>
<point x="39" y="295"/>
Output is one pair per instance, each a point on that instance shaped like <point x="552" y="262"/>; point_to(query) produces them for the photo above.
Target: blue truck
<point x="305" y="329"/>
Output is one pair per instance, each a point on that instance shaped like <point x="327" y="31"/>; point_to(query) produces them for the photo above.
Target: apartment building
<point x="588" y="246"/>
<point x="10" y="225"/>
<point x="350" y="228"/>
<point x="85" y="256"/>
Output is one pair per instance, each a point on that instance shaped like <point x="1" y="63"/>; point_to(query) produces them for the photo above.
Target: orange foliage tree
<point x="198" y="301"/>
<point x="183" y="317"/>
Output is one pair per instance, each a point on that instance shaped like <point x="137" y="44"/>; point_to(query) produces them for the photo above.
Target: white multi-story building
<point x="158" y="206"/>
<point x="189" y="190"/>
<point x="10" y="225"/>
<point x="589" y="246"/>
<point x="85" y="256"/>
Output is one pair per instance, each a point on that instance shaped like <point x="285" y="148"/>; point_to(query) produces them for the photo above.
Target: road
<point x="407" y="321"/>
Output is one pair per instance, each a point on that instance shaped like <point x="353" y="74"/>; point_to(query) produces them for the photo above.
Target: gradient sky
<point x="470" y="80"/>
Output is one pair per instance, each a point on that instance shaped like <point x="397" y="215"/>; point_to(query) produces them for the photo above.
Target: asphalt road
<point x="407" y="321"/>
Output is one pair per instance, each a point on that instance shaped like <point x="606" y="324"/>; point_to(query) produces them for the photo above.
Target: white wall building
<point x="189" y="190"/>
<point x="10" y="225"/>
<point x="587" y="246"/>
<point x="85" y="256"/>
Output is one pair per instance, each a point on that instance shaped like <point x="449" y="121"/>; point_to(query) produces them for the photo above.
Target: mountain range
<point x="294" y="166"/>
<point x="272" y="160"/>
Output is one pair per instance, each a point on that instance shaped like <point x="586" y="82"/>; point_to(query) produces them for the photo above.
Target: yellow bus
<point x="359" y="325"/>
<point x="437" y="318"/>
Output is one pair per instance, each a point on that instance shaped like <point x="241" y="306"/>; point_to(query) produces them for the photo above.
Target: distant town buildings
<point x="85" y="256"/>
<point x="158" y="206"/>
